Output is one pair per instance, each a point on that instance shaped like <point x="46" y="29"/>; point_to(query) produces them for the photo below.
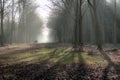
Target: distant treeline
<point x="19" y="21"/>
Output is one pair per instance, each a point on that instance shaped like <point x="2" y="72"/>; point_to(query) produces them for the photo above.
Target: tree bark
<point x="2" y="18"/>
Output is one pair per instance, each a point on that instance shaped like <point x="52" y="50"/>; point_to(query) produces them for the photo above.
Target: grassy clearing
<point x="55" y="63"/>
<point x="96" y="60"/>
<point x="56" y="55"/>
<point x="29" y="56"/>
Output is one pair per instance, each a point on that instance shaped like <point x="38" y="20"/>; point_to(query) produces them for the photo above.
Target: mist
<point x="59" y="39"/>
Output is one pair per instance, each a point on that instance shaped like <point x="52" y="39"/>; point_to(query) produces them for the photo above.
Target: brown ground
<point x="44" y="70"/>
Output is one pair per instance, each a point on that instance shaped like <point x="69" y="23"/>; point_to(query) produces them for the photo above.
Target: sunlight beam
<point x="108" y="1"/>
<point x="44" y="37"/>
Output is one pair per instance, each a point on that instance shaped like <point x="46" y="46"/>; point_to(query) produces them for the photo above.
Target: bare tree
<point x="114" y="28"/>
<point x="2" y="7"/>
<point x="98" y="37"/>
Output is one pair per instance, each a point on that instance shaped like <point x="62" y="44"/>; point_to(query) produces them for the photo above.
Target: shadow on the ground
<point x="63" y="69"/>
<point x="111" y="68"/>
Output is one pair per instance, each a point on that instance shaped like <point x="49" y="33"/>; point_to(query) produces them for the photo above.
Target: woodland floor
<point x="43" y="62"/>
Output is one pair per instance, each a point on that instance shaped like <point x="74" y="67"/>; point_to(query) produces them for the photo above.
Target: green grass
<point x="29" y="56"/>
<point x="10" y="77"/>
<point x="56" y="55"/>
<point x="94" y="59"/>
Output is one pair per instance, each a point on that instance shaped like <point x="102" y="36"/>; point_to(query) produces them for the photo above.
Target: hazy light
<point x="108" y="1"/>
<point x="45" y="31"/>
<point x="44" y="37"/>
<point x="43" y="10"/>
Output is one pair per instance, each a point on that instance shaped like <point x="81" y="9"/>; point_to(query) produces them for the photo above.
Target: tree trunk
<point x="2" y="18"/>
<point x="114" y="32"/>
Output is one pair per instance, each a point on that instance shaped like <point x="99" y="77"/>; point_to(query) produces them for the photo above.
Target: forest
<point x="59" y="40"/>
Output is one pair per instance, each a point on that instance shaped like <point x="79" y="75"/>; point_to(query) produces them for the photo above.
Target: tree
<point x="29" y="21"/>
<point x="114" y="29"/>
<point x="2" y="7"/>
<point x="75" y="9"/>
<point x="98" y="36"/>
<point x="78" y="39"/>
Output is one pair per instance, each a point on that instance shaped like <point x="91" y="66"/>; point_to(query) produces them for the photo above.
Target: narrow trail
<point x="19" y="48"/>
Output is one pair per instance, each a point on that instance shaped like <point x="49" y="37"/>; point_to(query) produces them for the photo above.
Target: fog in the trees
<point x="22" y="22"/>
<point x="77" y="22"/>
<point x="59" y="39"/>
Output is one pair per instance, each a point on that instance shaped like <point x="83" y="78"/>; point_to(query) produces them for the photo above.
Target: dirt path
<point x="19" y="48"/>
